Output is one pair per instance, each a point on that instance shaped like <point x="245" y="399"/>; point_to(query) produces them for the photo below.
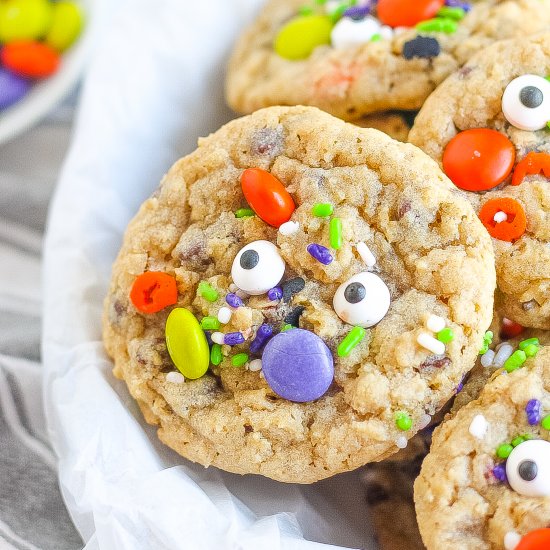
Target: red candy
<point x="267" y="196"/>
<point x="535" y="540"/>
<point x="533" y="163"/>
<point x="407" y="13"/>
<point x="153" y="291"/>
<point x="479" y="159"/>
<point x="30" y="59"/>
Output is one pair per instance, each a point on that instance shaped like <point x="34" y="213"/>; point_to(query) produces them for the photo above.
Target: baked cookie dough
<point x="359" y="65"/>
<point x="355" y="259"/>
<point x="487" y="126"/>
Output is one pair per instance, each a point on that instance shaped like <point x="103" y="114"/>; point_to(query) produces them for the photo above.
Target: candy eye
<point x="258" y="267"/>
<point x="362" y="300"/>
<point x="528" y="468"/>
<point x="526" y="102"/>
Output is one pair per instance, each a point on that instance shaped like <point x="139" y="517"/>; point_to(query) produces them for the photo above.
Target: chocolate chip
<point x="268" y="141"/>
<point x="435" y="361"/>
<point x="293" y="318"/>
<point x="421" y="46"/>
<point x="528" y="306"/>
<point x="403" y="209"/>
<point x="291" y="287"/>
<point x="119" y="307"/>
<point x="248" y="429"/>
<point x="465" y="71"/>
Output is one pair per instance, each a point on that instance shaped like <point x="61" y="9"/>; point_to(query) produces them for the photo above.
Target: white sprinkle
<point x="175" y="378"/>
<point x="366" y="255"/>
<point x="331" y="6"/>
<point x="217" y="337"/>
<point x="386" y="32"/>
<point x="241" y="294"/>
<point x="504" y="352"/>
<point x="255" y="365"/>
<point x="424" y="421"/>
<point x="401" y="442"/>
<point x="224" y="315"/>
<point x="500" y="216"/>
<point x="289" y="228"/>
<point x="233" y="287"/>
<point x="487" y="358"/>
<point x="430" y="343"/>
<point x="261" y="374"/>
<point x="511" y="540"/>
<point x="435" y="323"/>
<point x="479" y="426"/>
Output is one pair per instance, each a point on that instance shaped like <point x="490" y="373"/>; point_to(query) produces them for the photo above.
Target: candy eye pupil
<point x="528" y="470"/>
<point x="531" y="97"/>
<point x="249" y="259"/>
<point x="354" y="293"/>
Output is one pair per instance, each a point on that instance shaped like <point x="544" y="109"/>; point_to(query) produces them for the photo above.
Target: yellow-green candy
<point x="301" y="35"/>
<point x="187" y="344"/>
<point x="66" y="25"/>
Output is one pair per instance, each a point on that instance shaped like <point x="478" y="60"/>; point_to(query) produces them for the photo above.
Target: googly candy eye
<point x="528" y="468"/>
<point x="363" y="300"/>
<point x="526" y="102"/>
<point x="258" y="267"/>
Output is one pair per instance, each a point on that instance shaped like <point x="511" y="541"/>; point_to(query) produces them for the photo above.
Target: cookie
<point x="481" y="126"/>
<point x="395" y="124"/>
<point x="357" y="61"/>
<point x="344" y="286"/>
<point x="486" y="481"/>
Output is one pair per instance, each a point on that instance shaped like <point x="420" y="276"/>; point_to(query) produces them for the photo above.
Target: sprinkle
<point x="275" y="294"/>
<point x="466" y="6"/>
<point x="255" y="365"/>
<point x="421" y="46"/>
<point x="358" y="12"/>
<point x="460" y="386"/>
<point x="452" y="12"/>
<point x="242" y="294"/>
<point x="376" y="37"/>
<point x="262" y="336"/>
<point x="233" y="300"/>
<point x="208" y="292"/>
<point x="306" y="10"/>
<point x="530" y="341"/>
<point x="546" y="422"/>
<point x="217" y="337"/>
<point x="233" y="287"/>
<point x="366" y="255"/>
<point x="439" y="24"/>
<point x="504" y="450"/>
<point x="335" y="233"/>
<point x="224" y="315"/>
<point x="233" y="338"/>
<point x="487" y="358"/>
<point x="320" y="253"/>
<point x="216" y="354"/>
<point x="531" y="351"/>
<point x="533" y="411"/>
<point x="239" y="360"/>
<point x="293" y="318"/>
<point x="175" y="378"/>
<point x="352" y="339"/>
<point x="210" y="323"/>
<point x="286" y="327"/>
<point x="322" y="209"/>
<point x="244" y="213"/>
<point x="499" y="471"/>
<point x="291" y="287"/>
<point x="430" y="343"/>
<point x="424" y="421"/>
<point x="446" y="335"/>
<point x="487" y="341"/>
<point x="515" y="361"/>
<point x="435" y="323"/>
<point x="479" y="426"/>
<point x="502" y="355"/>
<point x="401" y="442"/>
<point x="403" y="421"/>
<point x="500" y="217"/>
<point x="511" y="540"/>
<point x="517" y="441"/>
<point x="289" y="228"/>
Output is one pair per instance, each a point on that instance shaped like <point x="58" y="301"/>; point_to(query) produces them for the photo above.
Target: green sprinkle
<point x="531" y="350"/>
<point x="403" y="421"/>
<point x="320" y="2"/>
<point x="525" y="343"/>
<point x="335" y="233"/>
<point x="286" y="327"/>
<point x="239" y="360"/>
<point x="446" y="335"/>
<point x="306" y="10"/>
<point x="210" y="323"/>
<point x="244" y="213"/>
<point x="208" y="292"/>
<point x="546" y="422"/>
<point x="517" y="441"/>
<point x="439" y="24"/>
<point x="451" y="13"/>
<point x="337" y="14"/>
<point x="548" y="123"/>
<point x="322" y="209"/>
<point x="515" y="361"/>
<point x="376" y="38"/>
<point x="504" y="450"/>
<point x="352" y="339"/>
<point x="216" y="354"/>
<point x="487" y="341"/>
<point x="527" y="437"/>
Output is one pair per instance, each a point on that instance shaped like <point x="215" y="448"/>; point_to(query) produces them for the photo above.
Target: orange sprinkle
<point x="533" y="163"/>
<point x="510" y="229"/>
<point x="153" y="291"/>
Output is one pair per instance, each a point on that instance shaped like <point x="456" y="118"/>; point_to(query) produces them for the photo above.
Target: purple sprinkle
<point x="499" y="471"/>
<point x="233" y="338"/>
<point x="460" y="386"/>
<point x="233" y="300"/>
<point x="263" y="334"/>
<point x="533" y="411"/>
<point x="458" y="4"/>
<point x="358" y="12"/>
<point x="12" y="88"/>
<point x="320" y="253"/>
<point x="208" y="335"/>
<point x="275" y="294"/>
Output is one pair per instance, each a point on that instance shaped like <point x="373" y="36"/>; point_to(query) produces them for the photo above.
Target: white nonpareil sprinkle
<point x="224" y="315"/>
<point x="175" y="378"/>
<point x="401" y="442"/>
<point x="500" y="217"/>
<point x="255" y="365"/>
<point x="386" y="32"/>
<point x="502" y="355"/>
<point x="424" y="421"/>
<point x="435" y="323"/>
<point x="366" y="255"/>
<point x="217" y="337"/>
<point x="487" y="358"/>
<point x="479" y="426"/>
<point x="289" y="228"/>
<point x="511" y="540"/>
<point x="261" y="373"/>
<point x="233" y="287"/>
<point x="242" y="294"/>
<point x="430" y="343"/>
<point x="348" y="32"/>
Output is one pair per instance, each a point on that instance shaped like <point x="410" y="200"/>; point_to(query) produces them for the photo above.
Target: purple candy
<point x="533" y="411"/>
<point x="233" y="300"/>
<point x="458" y="4"/>
<point x="233" y="338"/>
<point x="320" y="253"/>
<point x="262" y="336"/>
<point x="499" y="471"/>
<point x="275" y="294"/>
<point x="297" y="365"/>
<point x="12" y="88"/>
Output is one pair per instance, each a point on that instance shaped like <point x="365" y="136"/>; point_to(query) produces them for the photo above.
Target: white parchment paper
<point x="154" y="86"/>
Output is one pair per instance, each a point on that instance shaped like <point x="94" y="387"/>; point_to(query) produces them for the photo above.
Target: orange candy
<point x="267" y="196"/>
<point x="512" y="228"/>
<point x="479" y="159"/>
<point x="533" y="163"/>
<point x="535" y="540"/>
<point x="153" y="291"/>
<point x="30" y="59"/>
<point x="407" y="13"/>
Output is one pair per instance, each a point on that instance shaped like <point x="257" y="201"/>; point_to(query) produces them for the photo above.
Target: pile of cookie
<point x="304" y="295"/>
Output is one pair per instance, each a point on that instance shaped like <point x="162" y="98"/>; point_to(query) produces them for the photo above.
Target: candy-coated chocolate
<point x="298" y="365"/>
<point x="267" y="196"/>
<point x="407" y="13"/>
<point x="12" y="88"/>
<point x="301" y="35"/>
<point x="186" y="343"/>
<point x="66" y="25"/>
<point x="30" y="59"/>
<point x="535" y="540"/>
<point x="24" y="19"/>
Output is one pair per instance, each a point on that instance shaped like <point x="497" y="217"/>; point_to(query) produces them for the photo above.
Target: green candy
<point x="403" y="421"/>
<point x="446" y="335"/>
<point x="352" y="339"/>
<point x="322" y="209"/>
<point x="449" y="12"/>
<point x="239" y="360"/>
<point x="301" y="35"/>
<point x="244" y="213"/>
<point x="438" y="24"/>
<point x="186" y="343"/>
<point x="24" y="19"/>
<point x="216" y="354"/>
<point x="546" y="422"/>
<point x="504" y="450"/>
<point x="210" y="323"/>
<point x="335" y="233"/>
<point x="515" y="361"/>
<point x="67" y="21"/>
<point x="208" y="292"/>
